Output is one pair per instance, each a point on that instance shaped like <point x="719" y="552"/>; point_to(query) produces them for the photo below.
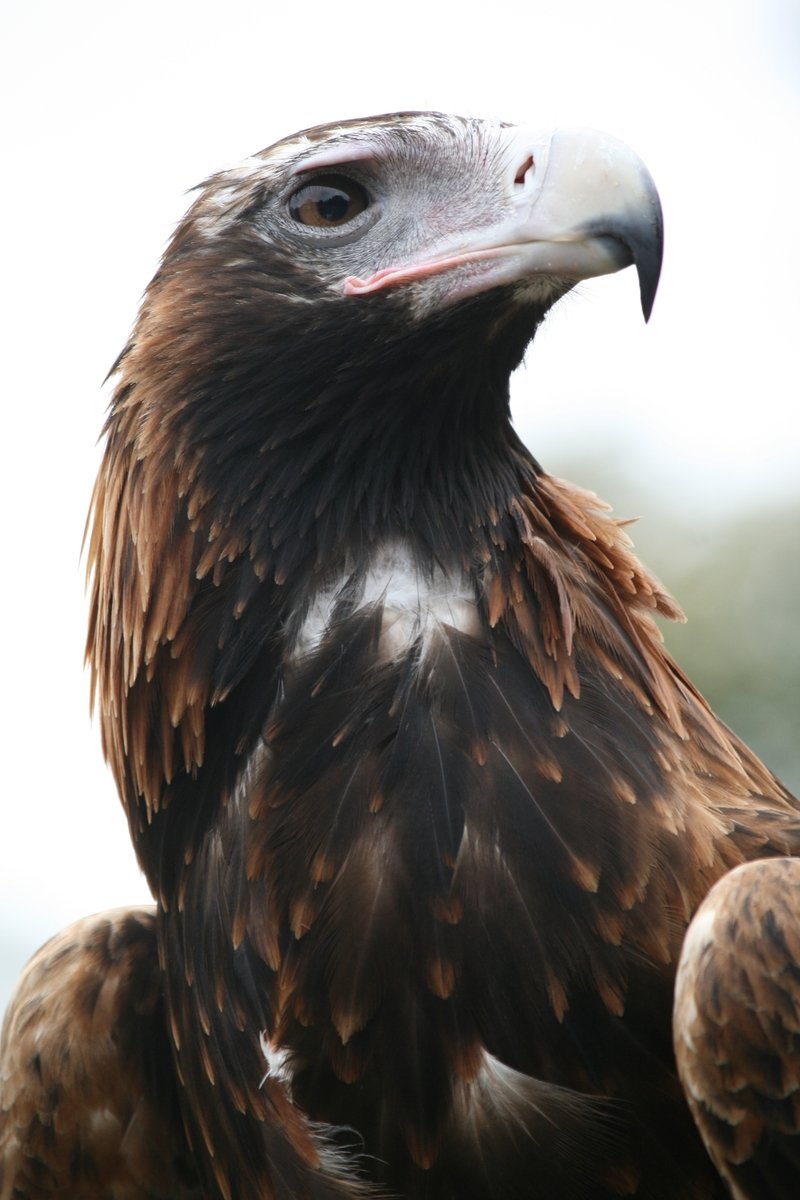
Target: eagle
<point x="425" y="806"/>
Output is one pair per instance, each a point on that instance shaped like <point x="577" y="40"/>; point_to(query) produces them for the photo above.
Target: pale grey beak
<point x="586" y="205"/>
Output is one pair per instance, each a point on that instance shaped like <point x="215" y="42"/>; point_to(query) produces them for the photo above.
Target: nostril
<point x="523" y="171"/>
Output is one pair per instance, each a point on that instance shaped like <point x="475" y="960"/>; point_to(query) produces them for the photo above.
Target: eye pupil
<point x="328" y="202"/>
<point x="333" y="206"/>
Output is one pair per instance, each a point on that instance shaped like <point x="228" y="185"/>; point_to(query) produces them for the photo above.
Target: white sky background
<point x="112" y="111"/>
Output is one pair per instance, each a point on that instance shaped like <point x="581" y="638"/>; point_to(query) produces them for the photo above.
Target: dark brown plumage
<point x="425" y="805"/>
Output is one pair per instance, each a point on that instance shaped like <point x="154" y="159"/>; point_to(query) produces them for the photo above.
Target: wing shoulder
<point x="88" y="1100"/>
<point x="737" y="1026"/>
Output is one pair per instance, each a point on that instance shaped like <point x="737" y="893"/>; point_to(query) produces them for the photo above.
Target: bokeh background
<point x="113" y="110"/>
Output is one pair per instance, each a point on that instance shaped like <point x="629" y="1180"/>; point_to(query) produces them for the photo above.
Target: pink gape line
<point x="389" y="276"/>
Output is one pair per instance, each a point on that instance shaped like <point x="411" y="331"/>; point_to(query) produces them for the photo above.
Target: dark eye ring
<point x="328" y="202"/>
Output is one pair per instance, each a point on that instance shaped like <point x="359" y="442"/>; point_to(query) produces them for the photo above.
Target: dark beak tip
<point x="648" y="256"/>
<point x="648" y="267"/>
<point x="647" y="292"/>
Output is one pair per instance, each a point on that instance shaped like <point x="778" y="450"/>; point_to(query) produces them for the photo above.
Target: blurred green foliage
<point x="737" y="578"/>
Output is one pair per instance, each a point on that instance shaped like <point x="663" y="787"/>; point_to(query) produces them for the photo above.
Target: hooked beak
<point x="580" y="204"/>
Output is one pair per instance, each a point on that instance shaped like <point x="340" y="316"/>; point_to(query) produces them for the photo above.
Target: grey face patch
<point x="425" y="176"/>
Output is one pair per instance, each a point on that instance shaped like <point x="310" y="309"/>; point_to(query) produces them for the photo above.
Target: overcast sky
<point x="113" y="110"/>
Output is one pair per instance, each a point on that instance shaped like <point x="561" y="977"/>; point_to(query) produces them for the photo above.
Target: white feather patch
<point x="276" y="1057"/>
<point x="414" y="602"/>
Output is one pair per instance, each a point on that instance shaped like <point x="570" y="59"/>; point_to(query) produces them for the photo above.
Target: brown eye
<point x="329" y="201"/>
